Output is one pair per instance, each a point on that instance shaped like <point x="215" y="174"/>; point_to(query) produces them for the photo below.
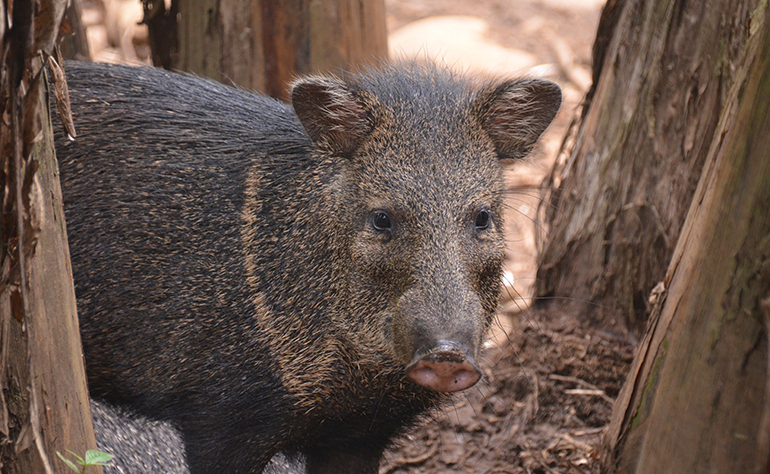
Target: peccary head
<point x="419" y="199"/>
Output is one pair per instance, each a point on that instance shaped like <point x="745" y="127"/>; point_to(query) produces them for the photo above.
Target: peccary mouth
<point x="448" y="367"/>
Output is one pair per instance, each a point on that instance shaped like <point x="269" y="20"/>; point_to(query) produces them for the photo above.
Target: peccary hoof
<point x="448" y="367"/>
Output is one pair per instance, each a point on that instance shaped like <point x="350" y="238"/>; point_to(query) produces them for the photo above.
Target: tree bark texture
<point x="664" y="69"/>
<point x="698" y="399"/>
<point x="73" y="43"/>
<point x="44" y="406"/>
<point x="265" y="44"/>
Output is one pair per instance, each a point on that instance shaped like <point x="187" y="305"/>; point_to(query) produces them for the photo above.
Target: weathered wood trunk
<point x="663" y="71"/>
<point x="698" y="397"/>
<point x="44" y="404"/>
<point x="265" y="44"/>
<point x="74" y="44"/>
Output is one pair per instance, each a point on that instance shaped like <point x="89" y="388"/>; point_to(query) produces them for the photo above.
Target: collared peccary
<point x="306" y="280"/>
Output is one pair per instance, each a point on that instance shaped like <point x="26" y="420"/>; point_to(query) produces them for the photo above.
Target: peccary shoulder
<point x="308" y="280"/>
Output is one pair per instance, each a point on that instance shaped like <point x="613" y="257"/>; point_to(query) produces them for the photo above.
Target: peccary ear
<point x="515" y="113"/>
<point x="331" y="113"/>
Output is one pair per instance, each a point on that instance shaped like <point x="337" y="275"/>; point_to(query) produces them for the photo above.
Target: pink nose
<point x="447" y="368"/>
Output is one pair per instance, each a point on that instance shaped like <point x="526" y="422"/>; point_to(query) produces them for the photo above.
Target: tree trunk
<point x="44" y="404"/>
<point x="74" y="43"/>
<point x="663" y="71"/>
<point x="697" y="400"/>
<point x="265" y="44"/>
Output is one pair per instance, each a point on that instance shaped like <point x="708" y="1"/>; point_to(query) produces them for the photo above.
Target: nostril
<point x="444" y="376"/>
<point x="446" y="368"/>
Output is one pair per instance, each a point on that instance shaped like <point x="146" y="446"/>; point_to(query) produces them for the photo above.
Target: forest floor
<point x="542" y="406"/>
<point x="550" y="383"/>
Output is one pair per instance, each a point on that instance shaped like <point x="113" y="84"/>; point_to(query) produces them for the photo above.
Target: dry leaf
<point x="61" y="95"/>
<point x="26" y="438"/>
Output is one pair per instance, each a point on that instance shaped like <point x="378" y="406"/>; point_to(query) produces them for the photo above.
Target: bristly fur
<point x="228" y="274"/>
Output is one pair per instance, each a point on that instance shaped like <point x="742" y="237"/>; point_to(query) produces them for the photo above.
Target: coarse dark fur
<point x="143" y="446"/>
<point x="138" y="444"/>
<point x="230" y="272"/>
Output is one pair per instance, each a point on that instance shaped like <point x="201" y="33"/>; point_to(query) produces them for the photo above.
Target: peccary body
<point x="308" y="281"/>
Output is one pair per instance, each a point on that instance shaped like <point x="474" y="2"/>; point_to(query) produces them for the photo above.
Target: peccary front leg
<point x="361" y="461"/>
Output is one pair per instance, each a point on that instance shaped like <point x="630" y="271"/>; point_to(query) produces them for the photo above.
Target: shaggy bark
<point x="73" y="43"/>
<point x="43" y="398"/>
<point x="698" y="397"/>
<point x="663" y="71"/>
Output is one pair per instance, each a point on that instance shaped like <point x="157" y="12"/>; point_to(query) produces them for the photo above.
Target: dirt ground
<point x="542" y="406"/>
<point x="549" y="383"/>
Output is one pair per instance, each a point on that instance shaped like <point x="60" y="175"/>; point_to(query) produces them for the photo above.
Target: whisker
<point x="564" y="298"/>
<point x="487" y="402"/>
<point x="468" y="401"/>
<point x="377" y="410"/>
<point x="538" y="226"/>
<point x="528" y="312"/>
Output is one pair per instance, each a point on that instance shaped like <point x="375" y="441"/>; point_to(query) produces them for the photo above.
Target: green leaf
<point x="69" y="463"/>
<point x="80" y="460"/>
<point x="99" y="458"/>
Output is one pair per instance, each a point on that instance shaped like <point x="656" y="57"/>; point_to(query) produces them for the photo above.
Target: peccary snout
<point x="439" y="327"/>
<point x="446" y="368"/>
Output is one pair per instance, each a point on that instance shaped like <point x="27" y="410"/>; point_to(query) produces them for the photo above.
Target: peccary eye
<point x="483" y="218"/>
<point x="381" y="221"/>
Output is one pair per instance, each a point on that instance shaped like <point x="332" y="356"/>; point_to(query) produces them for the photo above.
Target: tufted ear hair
<point x="515" y="114"/>
<point x="332" y="114"/>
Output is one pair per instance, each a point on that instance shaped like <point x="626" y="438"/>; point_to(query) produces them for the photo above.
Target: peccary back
<point x="306" y="280"/>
